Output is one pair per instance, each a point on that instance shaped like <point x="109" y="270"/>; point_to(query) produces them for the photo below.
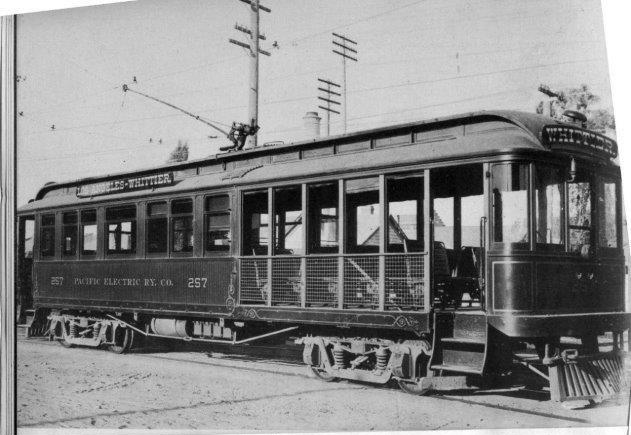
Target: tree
<point x="179" y="154"/>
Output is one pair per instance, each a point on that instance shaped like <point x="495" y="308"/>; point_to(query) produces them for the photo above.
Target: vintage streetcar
<point x="434" y="254"/>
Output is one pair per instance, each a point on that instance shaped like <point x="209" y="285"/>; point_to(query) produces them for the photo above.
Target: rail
<point x="350" y="281"/>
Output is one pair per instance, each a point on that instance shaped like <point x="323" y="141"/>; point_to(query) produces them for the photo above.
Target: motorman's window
<point x="69" y="234"/>
<point x="509" y="192"/>
<point x="255" y="223"/>
<point x="549" y="193"/>
<point x="323" y="218"/>
<point x="607" y="214"/>
<point x="405" y="214"/>
<point x="182" y="225"/>
<point x="88" y="232"/>
<point x="217" y="221"/>
<point x="362" y="215"/>
<point x="288" y="221"/>
<point x="121" y="229"/>
<point x="580" y="221"/>
<point x="47" y="239"/>
<point x="157" y="227"/>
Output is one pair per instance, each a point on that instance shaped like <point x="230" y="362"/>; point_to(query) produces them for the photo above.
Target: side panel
<point x="200" y="285"/>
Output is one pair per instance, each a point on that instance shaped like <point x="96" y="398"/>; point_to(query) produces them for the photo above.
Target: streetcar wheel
<point x="64" y="333"/>
<point x="322" y="374"/>
<point x="413" y="387"/>
<point x="64" y="343"/>
<point x="124" y="340"/>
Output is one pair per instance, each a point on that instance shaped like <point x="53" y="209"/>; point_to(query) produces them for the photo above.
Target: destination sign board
<point x="561" y="135"/>
<point x="125" y="185"/>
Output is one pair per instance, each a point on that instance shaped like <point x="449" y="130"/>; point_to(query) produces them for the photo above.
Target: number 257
<point x="197" y="282"/>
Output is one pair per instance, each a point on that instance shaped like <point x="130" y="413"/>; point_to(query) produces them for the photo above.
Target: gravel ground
<point x="238" y="391"/>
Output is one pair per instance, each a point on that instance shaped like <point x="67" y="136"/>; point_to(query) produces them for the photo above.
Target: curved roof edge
<point x="532" y="124"/>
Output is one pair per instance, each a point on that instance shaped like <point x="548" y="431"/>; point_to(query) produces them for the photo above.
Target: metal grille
<point x="322" y="281"/>
<point x="405" y="279"/>
<point x="253" y="285"/>
<point x="586" y="378"/>
<point x="286" y="281"/>
<point x="361" y="281"/>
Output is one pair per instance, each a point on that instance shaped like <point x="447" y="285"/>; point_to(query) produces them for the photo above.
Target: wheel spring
<point x="382" y="358"/>
<point x="338" y="356"/>
<point x="73" y="329"/>
<point x="96" y="330"/>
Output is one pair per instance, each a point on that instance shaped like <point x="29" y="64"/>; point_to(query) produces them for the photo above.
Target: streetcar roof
<point x="455" y="137"/>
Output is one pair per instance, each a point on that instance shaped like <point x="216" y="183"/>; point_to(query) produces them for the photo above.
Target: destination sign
<point x="125" y="185"/>
<point x="556" y="135"/>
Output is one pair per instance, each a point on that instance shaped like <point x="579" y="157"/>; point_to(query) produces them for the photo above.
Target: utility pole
<point x="253" y="47"/>
<point x="347" y="46"/>
<point x="329" y="99"/>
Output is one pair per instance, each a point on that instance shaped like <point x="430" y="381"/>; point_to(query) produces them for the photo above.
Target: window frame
<point x="600" y="179"/>
<point x="229" y="227"/>
<point x="171" y="217"/>
<point x="64" y="226"/>
<point x="148" y="219"/>
<point x="82" y="223"/>
<point x="134" y="233"/>
<point x="551" y="247"/>
<point x="510" y="246"/>
<point x="40" y="231"/>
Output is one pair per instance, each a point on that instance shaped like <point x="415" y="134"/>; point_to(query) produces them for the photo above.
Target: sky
<point x="418" y="59"/>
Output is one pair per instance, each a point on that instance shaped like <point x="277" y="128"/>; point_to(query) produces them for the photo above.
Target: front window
<point x="549" y="206"/>
<point x="580" y="222"/>
<point x="607" y="214"/>
<point x="510" y="204"/>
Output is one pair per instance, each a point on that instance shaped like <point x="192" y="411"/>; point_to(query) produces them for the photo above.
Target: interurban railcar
<point x="430" y="252"/>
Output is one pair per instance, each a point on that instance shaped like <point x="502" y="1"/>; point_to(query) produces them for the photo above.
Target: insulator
<point x="382" y="359"/>
<point x="338" y="356"/>
<point x="73" y="329"/>
<point x="96" y="329"/>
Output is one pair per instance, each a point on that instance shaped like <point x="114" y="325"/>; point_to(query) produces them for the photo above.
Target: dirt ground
<point x="255" y="389"/>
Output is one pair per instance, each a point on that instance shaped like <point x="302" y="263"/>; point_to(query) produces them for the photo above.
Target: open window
<point x="323" y="218"/>
<point x="363" y="215"/>
<point x="458" y="207"/>
<point x="404" y="214"/>
<point x="255" y="223"/>
<point x="288" y="221"/>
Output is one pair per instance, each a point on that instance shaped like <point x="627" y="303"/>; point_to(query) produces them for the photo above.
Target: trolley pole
<point x="347" y="46"/>
<point x="328" y="99"/>
<point x="254" y="51"/>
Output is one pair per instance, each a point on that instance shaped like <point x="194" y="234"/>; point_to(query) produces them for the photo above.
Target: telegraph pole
<point x="253" y="47"/>
<point x="328" y="99"/>
<point x="347" y="46"/>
